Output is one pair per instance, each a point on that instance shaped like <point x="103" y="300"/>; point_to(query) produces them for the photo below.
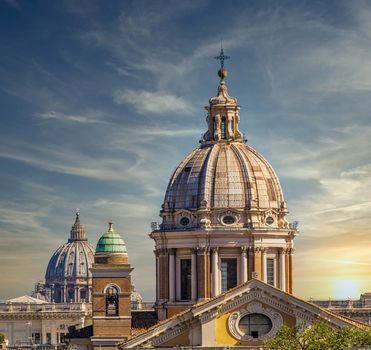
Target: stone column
<point x="163" y="278"/>
<point x="229" y="127"/>
<point x="283" y="269"/>
<point x="89" y="295"/>
<point x="171" y="274"/>
<point x="63" y="297"/>
<point x="203" y="273"/>
<point x="43" y="332"/>
<point x="251" y="262"/>
<point x="258" y="263"/>
<point x="215" y="272"/>
<point x="157" y="274"/>
<point x="53" y="332"/>
<point x="264" y="264"/>
<point x="290" y="275"/>
<point x="244" y="271"/>
<point x="194" y="274"/>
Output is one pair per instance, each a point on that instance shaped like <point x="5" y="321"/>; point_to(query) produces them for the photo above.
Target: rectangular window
<point x="229" y="273"/>
<point x="270" y="271"/>
<point x="36" y="338"/>
<point x="185" y="279"/>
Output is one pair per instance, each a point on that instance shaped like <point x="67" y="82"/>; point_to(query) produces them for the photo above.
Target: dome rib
<point x="246" y="178"/>
<point x="205" y="178"/>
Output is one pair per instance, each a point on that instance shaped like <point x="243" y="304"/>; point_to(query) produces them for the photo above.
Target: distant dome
<point x="111" y="248"/>
<point x="68" y="269"/>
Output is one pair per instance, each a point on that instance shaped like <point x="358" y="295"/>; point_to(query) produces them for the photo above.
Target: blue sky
<point x="100" y="101"/>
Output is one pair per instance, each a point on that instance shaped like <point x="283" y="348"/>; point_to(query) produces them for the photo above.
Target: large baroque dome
<point x="224" y="182"/>
<point x="67" y="275"/>
<point x="223" y="217"/>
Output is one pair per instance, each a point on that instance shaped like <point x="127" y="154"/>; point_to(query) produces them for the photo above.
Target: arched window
<point x="112" y="301"/>
<point x="224" y="129"/>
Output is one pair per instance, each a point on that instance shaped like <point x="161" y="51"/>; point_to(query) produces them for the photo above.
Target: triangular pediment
<point x="252" y="297"/>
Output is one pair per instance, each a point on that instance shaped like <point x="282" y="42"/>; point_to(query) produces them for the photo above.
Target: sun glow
<point x="346" y="288"/>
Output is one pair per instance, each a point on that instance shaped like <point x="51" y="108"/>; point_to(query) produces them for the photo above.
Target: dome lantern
<point x="222" y="112"/>
<point x="77" y="232"/>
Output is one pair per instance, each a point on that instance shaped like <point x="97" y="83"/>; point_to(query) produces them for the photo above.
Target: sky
<point x="101" y="100"/>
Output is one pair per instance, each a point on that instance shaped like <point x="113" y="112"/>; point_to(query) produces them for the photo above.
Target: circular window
<point x="255" y="325"/>
<point x="184" y="221"/>
<point x="269" y="220"/>
<point x="229" y="220"/>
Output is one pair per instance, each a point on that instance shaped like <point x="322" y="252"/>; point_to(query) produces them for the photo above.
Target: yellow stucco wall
<point x="223" y="336"/>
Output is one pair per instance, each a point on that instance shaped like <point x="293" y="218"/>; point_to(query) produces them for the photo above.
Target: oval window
<point x="184" y="221"/>
<point x="255" y="325"/>
<point x="269" y="220"/>
<point x="229" y="220"/>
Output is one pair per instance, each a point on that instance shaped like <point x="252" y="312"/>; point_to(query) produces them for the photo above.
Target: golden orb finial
<point x="222" y="73"/>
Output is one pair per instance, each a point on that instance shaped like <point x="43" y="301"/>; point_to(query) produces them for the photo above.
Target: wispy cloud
<point x="70" y="118"/>
<point x="153" y="102"/>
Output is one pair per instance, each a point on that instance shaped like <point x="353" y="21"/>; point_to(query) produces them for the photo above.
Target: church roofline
<point x="205" y="306"/>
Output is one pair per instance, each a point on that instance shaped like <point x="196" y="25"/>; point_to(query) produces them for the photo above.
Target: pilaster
<point x="203" y="273"/>
<point x="244" y="268"/>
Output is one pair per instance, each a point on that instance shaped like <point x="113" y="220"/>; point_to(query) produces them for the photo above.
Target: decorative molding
<point x="204" y="318"/>
<point x="170" y="334"/>
<point x="255" y="307"/>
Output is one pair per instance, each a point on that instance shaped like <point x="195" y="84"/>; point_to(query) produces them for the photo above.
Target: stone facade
<point x="26" y="320"/>
<point x="359" y="310"/>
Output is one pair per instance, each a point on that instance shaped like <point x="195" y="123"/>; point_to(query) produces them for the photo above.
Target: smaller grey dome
<point x="69" y="267"/>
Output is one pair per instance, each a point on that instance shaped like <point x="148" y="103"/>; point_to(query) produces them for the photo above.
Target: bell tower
<point x="111" y="291"/>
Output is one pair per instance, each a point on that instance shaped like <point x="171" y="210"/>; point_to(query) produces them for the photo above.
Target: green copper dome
<point x="111" y="242"/>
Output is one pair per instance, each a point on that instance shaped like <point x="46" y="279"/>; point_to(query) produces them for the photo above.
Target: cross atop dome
<point x="223" y="73"/>
<point x="222" y="57"/>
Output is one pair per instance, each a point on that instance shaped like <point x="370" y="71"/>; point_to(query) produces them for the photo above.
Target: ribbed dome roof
<point x="224" y="175"/>
<point x="111" y="242"/>
<point x="71" y="260"/>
